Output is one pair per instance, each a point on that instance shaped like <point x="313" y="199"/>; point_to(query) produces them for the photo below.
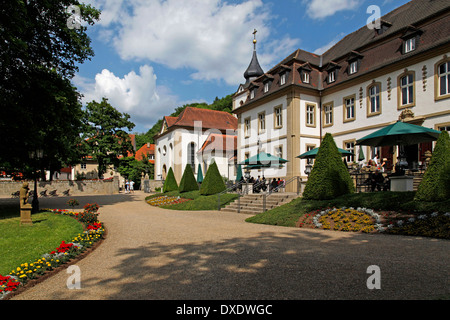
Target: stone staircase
<point x="254" y="203"/>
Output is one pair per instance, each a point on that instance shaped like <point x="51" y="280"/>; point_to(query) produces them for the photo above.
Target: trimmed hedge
<point x="213" y="182"/>
<point x="435" y="185"/>
<point x="171" y="183"/>
<point x="188" y="182"/>
<point x="329" y="177"/>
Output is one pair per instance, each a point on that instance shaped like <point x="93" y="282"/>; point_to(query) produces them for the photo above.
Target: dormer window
<point x="384" y="26"/>
<point x="252" y="93"/>
<point x="332" y="76"/>
<point x="305" y="77"/>
<point x="411" y="39"/>
<point x="283" y="78"/>
<point x="409" y="45"/>
<point x="353" y="67"/>
<point x="266" y="87"/>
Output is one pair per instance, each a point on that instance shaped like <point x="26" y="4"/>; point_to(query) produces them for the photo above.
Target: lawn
<point x="196" y="202"/>
<point x="20" y="244"/>
<point x="289" y="214"/>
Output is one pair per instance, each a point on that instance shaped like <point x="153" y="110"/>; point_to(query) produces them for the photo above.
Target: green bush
<point x="213" y="182"/>
<point x="188" y="182"/>
<point x="171" y="183"/>
<point x="330" y="177"/>
<point x="435" y="185"/>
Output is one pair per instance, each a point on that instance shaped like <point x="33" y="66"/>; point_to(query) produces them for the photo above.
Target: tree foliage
<point x="171" y="183"/>
<point x="435" y="185"/>
<point x="105" y="135"/>
<point x="213" y="182"/>
<point x="329" y="177"/>
<point x="188" y="182"/>
<point x="38" y="57"/>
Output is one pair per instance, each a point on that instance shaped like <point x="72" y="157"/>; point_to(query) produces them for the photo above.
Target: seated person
<point x="377" y="180"/>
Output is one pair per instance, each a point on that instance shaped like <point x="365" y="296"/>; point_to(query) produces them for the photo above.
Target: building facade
<point x="370" y="79"/>
<point x="191" y="139"/>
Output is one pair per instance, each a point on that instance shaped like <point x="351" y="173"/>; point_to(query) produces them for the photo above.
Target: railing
<point x="235" y="187"/>
<point x="267" y="194"/>
<point x="271" y="191"/>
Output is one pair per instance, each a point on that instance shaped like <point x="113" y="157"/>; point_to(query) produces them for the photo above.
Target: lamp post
<point x="308" y="169"/>
<point x="35" y="156"/>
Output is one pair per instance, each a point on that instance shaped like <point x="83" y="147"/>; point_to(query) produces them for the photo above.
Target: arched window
<point x="191" y="155"/>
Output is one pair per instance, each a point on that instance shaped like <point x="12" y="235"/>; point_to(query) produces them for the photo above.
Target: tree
<point x="435" y="185"/>
<point x="171" y="183"/>
<point x="104" y="134"/>
<point x="329" y="177"/>
<point x="213" y="182"/>
<point x="39" y="56"/>
<point x="188" y="182"/>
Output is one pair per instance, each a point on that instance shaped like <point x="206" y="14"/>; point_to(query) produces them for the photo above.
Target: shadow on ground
<point x="290" y="266"/>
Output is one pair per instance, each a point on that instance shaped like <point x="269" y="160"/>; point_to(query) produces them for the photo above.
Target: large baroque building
<point x="368" y="80"/>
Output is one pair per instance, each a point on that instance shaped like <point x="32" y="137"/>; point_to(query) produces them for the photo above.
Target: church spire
<point x="254" y="70"/>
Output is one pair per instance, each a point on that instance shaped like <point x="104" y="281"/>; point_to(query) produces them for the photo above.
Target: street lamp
<point x="308" y="169"/>
<point x="36" y="156"/>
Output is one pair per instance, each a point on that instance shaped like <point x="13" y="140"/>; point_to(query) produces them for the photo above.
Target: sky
<point x="152" y="56"/>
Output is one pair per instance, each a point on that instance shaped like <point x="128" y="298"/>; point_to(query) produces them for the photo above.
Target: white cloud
<point x="209" y="38"/>
<point x="319" y="9"/>
<point x="135" y="94"/>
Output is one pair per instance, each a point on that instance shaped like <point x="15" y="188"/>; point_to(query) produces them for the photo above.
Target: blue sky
<point x="152" y="56"/>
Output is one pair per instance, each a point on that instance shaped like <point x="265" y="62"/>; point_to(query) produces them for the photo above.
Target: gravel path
<point x="155" y="254"/>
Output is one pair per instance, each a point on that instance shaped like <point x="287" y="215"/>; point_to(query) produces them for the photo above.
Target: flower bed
<point x="435" y="225"/>
<point x="94" y="231"/>
<point x="166" y="201"/>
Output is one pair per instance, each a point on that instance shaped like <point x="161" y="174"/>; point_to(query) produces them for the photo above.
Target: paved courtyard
<point x="153" y="254"/>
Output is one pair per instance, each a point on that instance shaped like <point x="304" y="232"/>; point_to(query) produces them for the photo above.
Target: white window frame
<point x="410" y="45"/>
<point x="349" y="107"/>
<point x="374" y="99"/>
<point x="332" y="76"/>
<point x="306" y="77"/>
<point x="311" y="115"/>
<point x="283" y="79"/>
<point x="407" y="89"/>
<point x="353" y="68"/>
<point x="261" y="122"/>
<point x="444" y="77"/>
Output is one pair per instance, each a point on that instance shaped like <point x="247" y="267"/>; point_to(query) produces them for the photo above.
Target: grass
<point x="197" y="203"/>
<point x="287" y="215"/>
<point x="20" y="244"/>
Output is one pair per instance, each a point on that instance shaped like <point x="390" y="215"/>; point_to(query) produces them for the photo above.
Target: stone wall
<point x="82" y="187"/>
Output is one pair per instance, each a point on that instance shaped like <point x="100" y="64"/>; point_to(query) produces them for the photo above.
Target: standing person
<point x="127" y="186"/>
<point x="131" y="186"/>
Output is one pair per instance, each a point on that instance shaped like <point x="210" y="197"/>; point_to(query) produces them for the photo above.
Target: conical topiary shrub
<point x="188" y="182"/>
<point x="213" y="182"/>
<point x="329" y="177"/>
<point x="435" y="185"/>
<point x="171" y="183"/>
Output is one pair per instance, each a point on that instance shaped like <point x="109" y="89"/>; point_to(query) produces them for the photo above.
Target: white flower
<point x="400" y="223"/>
<point x="434" y="214"/>
<point x="411" y="220"/>
<point x="422" y="217"/>
<point x="390" y="226"/>
<point x="447" y="214"/>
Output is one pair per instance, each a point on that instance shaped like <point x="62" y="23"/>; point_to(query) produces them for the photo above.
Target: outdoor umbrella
<point x="399" y="133"/>
<point x="239" y="173"/>
<point x="263" y="159"/>
<point x="199" y="174"/>
<point x="311" y="154"/>
<point x="361" y="156"/>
